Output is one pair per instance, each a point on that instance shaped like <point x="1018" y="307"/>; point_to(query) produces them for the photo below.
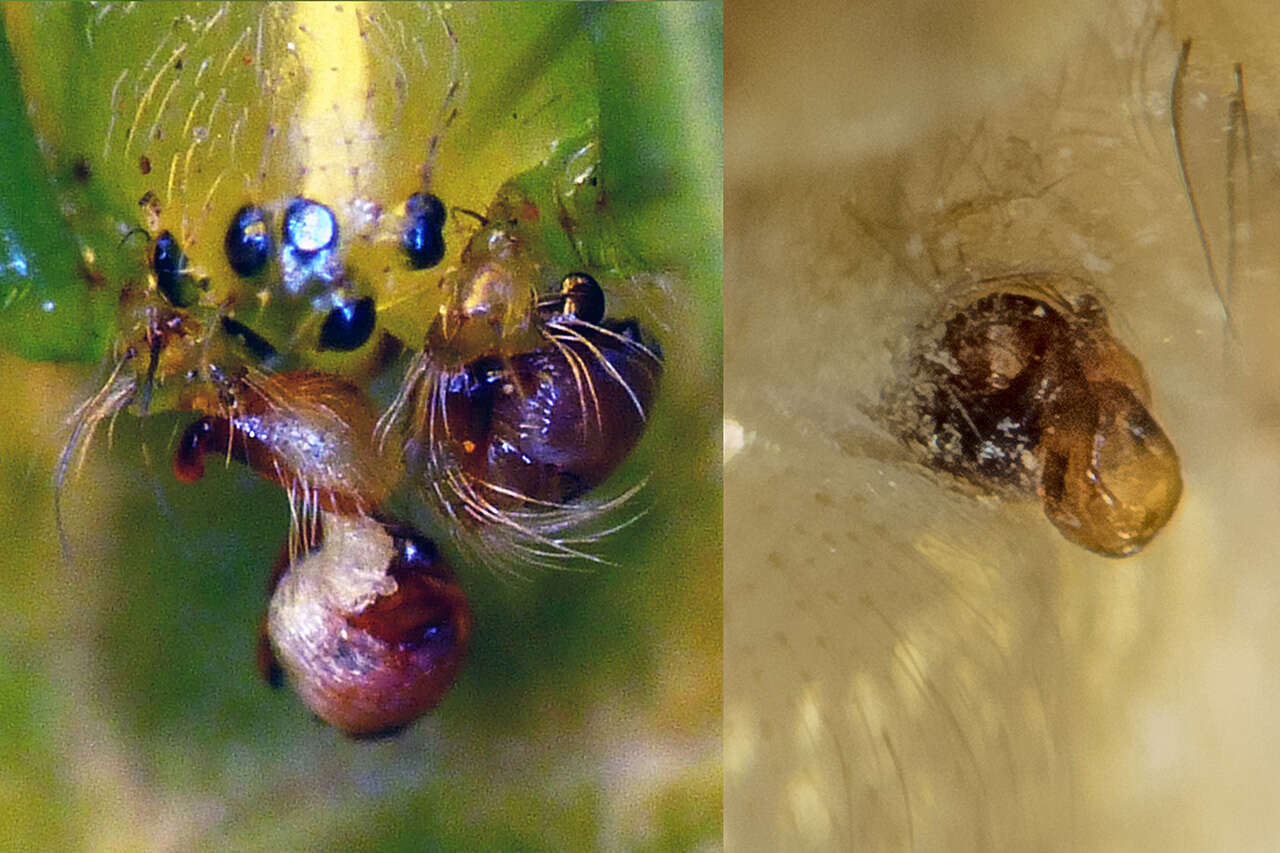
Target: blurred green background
<point x="588" y="716"/>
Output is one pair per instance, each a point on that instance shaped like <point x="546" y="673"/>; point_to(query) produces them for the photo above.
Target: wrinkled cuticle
<point x="1021" y="391"/>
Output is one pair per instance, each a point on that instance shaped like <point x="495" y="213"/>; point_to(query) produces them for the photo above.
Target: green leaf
<point x="47" y="310"/>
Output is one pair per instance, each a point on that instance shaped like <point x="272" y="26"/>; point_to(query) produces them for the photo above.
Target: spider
<point x="283" y="239"/>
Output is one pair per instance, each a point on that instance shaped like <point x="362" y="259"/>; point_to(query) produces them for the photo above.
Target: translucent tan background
<point x="909" y="665"/>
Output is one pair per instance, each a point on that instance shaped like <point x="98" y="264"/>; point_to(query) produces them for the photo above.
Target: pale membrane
<point x="910" y="664"/>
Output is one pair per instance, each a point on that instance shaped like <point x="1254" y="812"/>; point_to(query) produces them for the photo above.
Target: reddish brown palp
<point x="309" y="431"/>
<point x="367" y="619"/>
<point x="371" y="626"/>
<point x="546" y="426"/>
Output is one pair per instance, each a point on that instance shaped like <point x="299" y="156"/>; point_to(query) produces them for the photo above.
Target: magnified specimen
<point x="1019" y="389"/>
<point x="285" y="234"/>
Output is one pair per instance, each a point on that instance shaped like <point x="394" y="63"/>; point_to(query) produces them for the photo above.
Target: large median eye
<point x="423" y="238"/>
<point x="309" y="227"/>
<point x="248" y="243"/>
<point x="170" y="267"/>
<point x="348" y="326"/>
<point x="310" y="245"/>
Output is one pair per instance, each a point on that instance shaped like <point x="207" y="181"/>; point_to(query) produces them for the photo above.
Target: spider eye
<point x="170" y="267"/>
<point x="309" y="227"/>
<point x="423" y="238"/>
<point x="310" y="245"/>
<point x="348" y="326"/>
<point x="583" y="297"/>
<point x="248" y="243"/>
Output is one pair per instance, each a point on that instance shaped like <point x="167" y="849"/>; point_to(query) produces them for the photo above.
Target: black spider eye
<point x="583" y="297"/>
<point x="170" y="267"/>
<point x="423" y="238"/>
<point x="348" y="326"/>
<point x="248" y="242"/>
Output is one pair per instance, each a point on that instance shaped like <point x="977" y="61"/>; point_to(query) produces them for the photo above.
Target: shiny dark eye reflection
<point x="582" y="297"/>
<point x="310" y="235"/>
<point x="423" y="238"/>
<point x="348" y="326"/>
<point x="170" y="267"/>
<point x="248" y="242"/>
<point x="309" y="227"/>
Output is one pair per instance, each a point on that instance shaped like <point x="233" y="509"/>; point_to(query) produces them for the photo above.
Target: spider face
<point x="289" y="226"/>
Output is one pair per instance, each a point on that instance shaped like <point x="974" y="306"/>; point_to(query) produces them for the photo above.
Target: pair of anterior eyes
<point x="309" y="235"/>
<point x="310" y="229"/>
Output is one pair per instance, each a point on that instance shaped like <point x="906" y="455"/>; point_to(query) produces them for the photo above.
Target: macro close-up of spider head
<point x="405" y="324"/>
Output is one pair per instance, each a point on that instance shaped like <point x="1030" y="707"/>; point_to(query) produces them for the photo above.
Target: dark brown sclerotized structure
<point x="1019" y="389"/>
